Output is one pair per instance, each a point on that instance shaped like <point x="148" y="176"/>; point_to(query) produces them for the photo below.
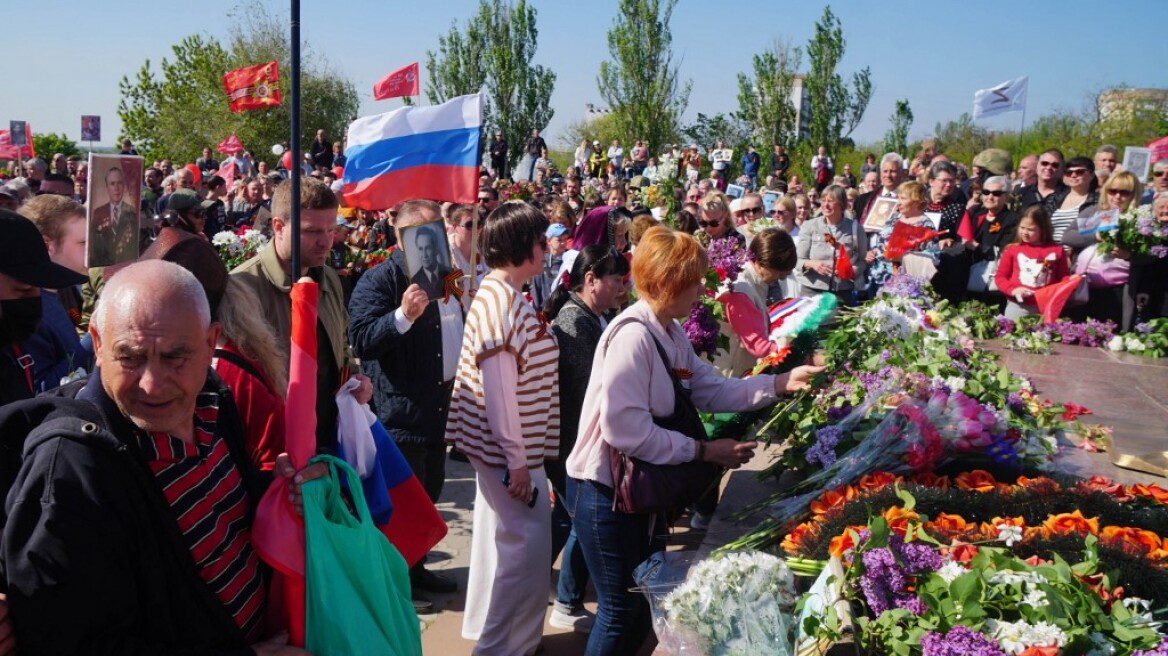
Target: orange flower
<point x="1035" y="561"/>
<point x="793" y="542"/>
<point x="1051" y="650"/>
<point x="877" y="480"/>
<point x="898" y="518"/>
<point x="1133" y="539"/>
<point x="950" y="523"/>
<point x="843" y="542"/>
<point x="1038" y="484"/>
<point x="1104" y="484"/>
<point x="828" y="501"/>
<point x="1068" y="523"/>
<point x="962" y="552"/>
<point x="1152" y="491"/>
<point x="978" y="480"/>
<point x="929" y="479"/>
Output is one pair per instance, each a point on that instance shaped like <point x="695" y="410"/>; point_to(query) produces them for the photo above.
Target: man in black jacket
<point x="1050" y="182"/>
<point x="409" y="347"/>
<point x="130" y="518"/>
<point x="499" y="155"/>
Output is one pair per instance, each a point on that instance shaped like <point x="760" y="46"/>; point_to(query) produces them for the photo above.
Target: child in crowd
<point x="1033" y="261"/>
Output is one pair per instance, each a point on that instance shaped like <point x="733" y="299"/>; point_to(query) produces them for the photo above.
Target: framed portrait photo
<point x="90" y="128"/>
<point x="881" y="212"/>
<point x="735" y="191"/>
<point x="769" y="199"/>
<point x="113" y="209"/>
<point x="1138" y="161"/>
<point x="427" y="255"/>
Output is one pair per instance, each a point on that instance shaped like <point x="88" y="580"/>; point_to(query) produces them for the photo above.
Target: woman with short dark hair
<point x="769" y="258"/>
<point x="504" y="415"/>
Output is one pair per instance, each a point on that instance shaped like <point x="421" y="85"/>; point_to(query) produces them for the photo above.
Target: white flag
<point x="1006" y="97"/>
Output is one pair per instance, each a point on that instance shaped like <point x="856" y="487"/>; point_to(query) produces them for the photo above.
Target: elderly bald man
<point x="129" y="525"/>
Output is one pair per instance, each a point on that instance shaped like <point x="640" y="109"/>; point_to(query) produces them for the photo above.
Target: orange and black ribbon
<point x="452" y="287"/>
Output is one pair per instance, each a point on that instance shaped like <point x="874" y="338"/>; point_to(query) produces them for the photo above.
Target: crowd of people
<point x="561" y="353"/>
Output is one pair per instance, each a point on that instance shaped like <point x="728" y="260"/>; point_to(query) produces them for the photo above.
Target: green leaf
<point x="966" y="588"/>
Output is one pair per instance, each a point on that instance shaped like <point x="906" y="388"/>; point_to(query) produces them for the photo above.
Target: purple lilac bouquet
<point x="727" y="257"/>
<point x="889" y="570"/>
<point x="959" y="641"/>
<point x="1139" y="233"/>
<point x="702" y="329"/>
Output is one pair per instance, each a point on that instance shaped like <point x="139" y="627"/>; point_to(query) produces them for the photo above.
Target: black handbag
<point x="641" y="487"/>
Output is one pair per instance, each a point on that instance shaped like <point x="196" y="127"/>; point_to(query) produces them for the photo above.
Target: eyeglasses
<point x="709" y="224"/>
<point x="1050" y="164"/>
<point x="1159" y="174"/>
<point x="1120" y="192"/>
<point x="485" y="199"/>
<point x="778" y="211"/>
<point x="996" y="193"/>
<point x="1076" y="172"/>
<point x="469" y="225"/>
<point x="752" y="210"/>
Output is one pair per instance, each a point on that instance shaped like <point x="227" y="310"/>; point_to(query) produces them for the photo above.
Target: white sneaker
<point x="579" y="620"/>
<point x="699" y="521"/>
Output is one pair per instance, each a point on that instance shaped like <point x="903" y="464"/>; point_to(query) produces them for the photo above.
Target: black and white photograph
<point x="1137" y="160"/>
<point x="768" y="201"/>
<point x="18" y="131"/>
<point x="113" y="209"/>
<point x="427" y="256"/>
<point x="735" y="191"/>
<point x="882" y="210"/>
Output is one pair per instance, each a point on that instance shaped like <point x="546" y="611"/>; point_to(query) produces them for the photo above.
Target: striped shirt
<point x="500" y="319"/>
<point x="206" y="494"/>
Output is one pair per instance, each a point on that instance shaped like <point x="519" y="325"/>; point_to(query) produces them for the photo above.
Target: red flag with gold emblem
<point x="253" y="87"/>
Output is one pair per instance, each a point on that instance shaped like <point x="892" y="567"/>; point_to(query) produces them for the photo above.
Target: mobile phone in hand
<point x="534" y="489"/>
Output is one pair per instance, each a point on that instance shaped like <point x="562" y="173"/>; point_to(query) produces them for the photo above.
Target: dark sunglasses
<point x="1159" y="174"/>
<point x="752" y="210"/>
<point x="1053" y="164"/>
<point x="485" y="200"/>
<point x="996" y="194"/>
<point x="709" y="224"/>
<point x="469" y="225"/>
<point x="1076" y="172"/>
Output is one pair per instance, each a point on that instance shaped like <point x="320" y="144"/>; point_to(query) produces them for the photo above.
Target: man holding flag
<point x="270" y="276"/>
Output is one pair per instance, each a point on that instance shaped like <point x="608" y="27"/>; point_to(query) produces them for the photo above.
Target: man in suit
<point x="891" y="175"/>
<point x="432" y="276"/>
<point x="114" y="226"/>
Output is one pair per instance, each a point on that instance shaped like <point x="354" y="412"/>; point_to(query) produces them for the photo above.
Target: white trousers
<point x="510" y="566"/>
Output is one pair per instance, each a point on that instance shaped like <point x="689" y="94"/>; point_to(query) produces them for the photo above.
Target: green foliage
<point x="50" y="143"/>
<point x="836" y="109"/>
<point x="494" y="55"/>
<point x="600" y="127"/>
<point x="764" y="98"/>
<point x="640" y="83"/>
<point x="896" y="139"/>
<point x="172" y="111"/>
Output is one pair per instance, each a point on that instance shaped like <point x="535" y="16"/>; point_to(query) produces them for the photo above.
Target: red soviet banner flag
<point x="253" y="87"/>
<point x="402" y="82"/>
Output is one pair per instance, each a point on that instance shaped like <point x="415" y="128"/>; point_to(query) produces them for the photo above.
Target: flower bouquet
<point x="704" y="324"/>
<point x="1139" y="233"/>
<point x="736" y="604"/>
<point x="1148" y="339"/>
<point x="361" y="261"/>
<point x="916" y="596"/>
<point x="235" y="249"/>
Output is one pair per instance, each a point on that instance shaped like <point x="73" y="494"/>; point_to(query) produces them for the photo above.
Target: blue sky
<point x="69" y="55"/>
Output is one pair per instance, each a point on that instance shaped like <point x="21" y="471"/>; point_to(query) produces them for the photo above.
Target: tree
<point x="960" y="140"/>
<point x="48" y="144"/>
<point x="598" y="127"/>
<point x="764" y="99"/>
<point x="709" y="130"/>
<point x="640" y="84"/>
<point x="174" y="111"/>
<point x="896" y="139"/>
<point x="494" y="55"/>
<point x="835" y="109"/>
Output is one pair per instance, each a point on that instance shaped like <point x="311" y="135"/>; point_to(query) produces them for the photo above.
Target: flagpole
<point x="294" y="169"/>
<point x="1020" y="131"/>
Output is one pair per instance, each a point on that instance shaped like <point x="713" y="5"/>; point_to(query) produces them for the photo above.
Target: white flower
<point x="950" y="571"/>
<point x="1009" y="534"/>
<point x="1133" y="344"/>
<point x="1017" y="637"/>
<point x="955" y="383"/>
<point x="1116" y="343"/>
<point x="1035" y="598"/>
<point x="224" y="238"/>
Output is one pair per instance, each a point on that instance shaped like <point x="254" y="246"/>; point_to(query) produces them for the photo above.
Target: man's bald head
<point x="151" y="285"/>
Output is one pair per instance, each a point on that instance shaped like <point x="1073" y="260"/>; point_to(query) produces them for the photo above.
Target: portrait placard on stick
<point x="113" y="209"/>
<point x="427" y="256"/>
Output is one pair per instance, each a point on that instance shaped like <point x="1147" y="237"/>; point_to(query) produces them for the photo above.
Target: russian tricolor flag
<point x="415" y="152"/>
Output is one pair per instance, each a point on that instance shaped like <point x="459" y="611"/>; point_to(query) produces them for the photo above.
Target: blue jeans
<point x="573" y="570"/>
<point x="614" y="544"/>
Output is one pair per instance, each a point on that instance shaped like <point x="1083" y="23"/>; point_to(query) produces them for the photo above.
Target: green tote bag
<point x="358" y="585"/>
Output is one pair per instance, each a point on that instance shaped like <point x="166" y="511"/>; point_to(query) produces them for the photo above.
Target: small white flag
<point x="1005" y="97"/>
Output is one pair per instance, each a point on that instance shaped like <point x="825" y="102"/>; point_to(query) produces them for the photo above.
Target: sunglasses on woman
<point x="709" y="224"/>
<point x="996" y="193"/>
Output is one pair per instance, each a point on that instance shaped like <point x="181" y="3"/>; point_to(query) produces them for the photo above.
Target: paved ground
<point x="1126" y="392"/>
